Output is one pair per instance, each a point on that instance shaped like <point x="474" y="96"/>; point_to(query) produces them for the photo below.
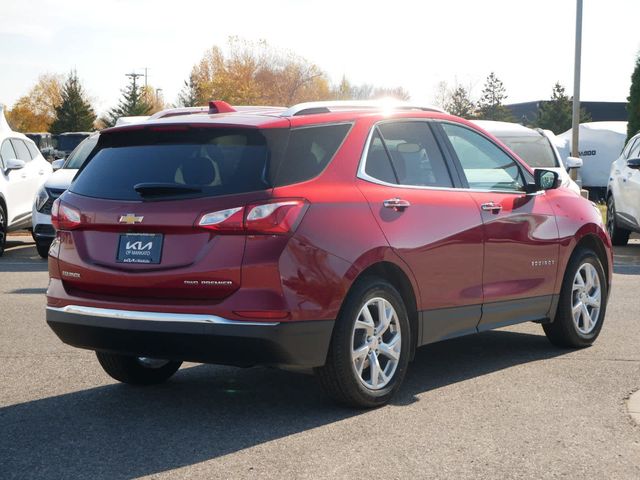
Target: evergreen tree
<point x="132" y="103"/>
<point x="190" y="95"/>
<point x="75" y="113"/>
<point x="490" y="105"/>
<point x="459" y="103"/>
<point x="556" y="114"/>
<point x="633" y="107"/>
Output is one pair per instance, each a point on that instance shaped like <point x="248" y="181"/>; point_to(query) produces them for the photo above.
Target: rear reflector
<point x="64" y="217"/>
<point x="271" y="218"/>
<point x="263" y="314"/>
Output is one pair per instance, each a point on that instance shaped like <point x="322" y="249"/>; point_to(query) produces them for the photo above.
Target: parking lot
<point x="503" y="404"/>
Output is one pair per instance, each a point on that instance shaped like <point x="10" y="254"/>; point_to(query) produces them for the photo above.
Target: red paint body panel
<point x="453" y="253"/>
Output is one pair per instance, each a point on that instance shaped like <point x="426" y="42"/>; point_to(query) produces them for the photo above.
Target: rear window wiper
<point x="164" y="189"/>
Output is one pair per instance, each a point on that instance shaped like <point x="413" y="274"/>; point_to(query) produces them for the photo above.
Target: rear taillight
<point x="272" y="218"/>
<point x="64" y="217"/>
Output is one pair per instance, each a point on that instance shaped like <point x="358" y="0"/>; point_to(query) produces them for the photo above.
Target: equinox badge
<point x="130" y="219"/>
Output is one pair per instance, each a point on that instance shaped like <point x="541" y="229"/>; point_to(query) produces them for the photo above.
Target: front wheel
<point x="582" y="303"/>
<point x="137" y="370"/>
<point x="619" y="236"/>
<point x="369" y="349"/>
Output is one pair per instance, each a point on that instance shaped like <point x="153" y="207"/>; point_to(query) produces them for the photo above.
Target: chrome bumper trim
<point x="156" y="316"/>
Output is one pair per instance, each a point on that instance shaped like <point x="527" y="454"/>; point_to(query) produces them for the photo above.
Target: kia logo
<point x="139" y="246"/>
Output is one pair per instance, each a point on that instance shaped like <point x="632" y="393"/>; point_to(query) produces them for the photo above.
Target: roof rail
<point x="311" y="108"/>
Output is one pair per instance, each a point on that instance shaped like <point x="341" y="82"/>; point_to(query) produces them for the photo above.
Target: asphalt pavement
<point x="502" y="404"/>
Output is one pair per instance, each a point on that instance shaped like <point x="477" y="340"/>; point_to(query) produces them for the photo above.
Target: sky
<point x="529" y="44"/>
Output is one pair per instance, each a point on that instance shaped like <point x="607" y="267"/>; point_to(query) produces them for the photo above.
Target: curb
<point x="633" y="405"/>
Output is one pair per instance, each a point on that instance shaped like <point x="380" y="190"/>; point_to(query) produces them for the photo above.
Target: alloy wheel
<point x="587" y="298"/>
<point x="376" y="343"/>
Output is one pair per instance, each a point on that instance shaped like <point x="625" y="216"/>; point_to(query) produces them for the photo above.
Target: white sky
<point x="414" y="44"/>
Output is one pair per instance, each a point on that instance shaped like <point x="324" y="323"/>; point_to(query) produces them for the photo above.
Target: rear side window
<point x="204" y="161"/>
<point x="21" y="150"/>
<point x="406" y="153"/>
<point x="536" y="151"/>
<point x="33" y="150"/>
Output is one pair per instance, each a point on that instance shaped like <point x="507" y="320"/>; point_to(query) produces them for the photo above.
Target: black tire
<point x="43" y="247"/>
<point x="338" y="376"/>
<point x="619" y="236"/>
<point x="3" y="229"/>
<point x="131" y="370"/>
<point x="563" y="331"/>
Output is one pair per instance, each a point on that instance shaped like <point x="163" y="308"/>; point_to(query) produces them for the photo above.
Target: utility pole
<point x="575" y="150"/>
<point x="133" y="75"/>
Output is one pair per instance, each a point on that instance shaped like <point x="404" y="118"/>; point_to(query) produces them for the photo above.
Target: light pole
<point x="575" y="120"/>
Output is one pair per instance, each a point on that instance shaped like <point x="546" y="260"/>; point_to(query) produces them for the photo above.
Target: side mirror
<point x="573" y="162"/>
<point x="543" y="180"/>
<point x="13" y="164"/>
<point x="634" y="163"/>
<point x="57" y="164"/>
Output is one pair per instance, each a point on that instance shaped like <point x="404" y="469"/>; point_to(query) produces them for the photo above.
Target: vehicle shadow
<point x="20" y="255"/>
<point x="204" y="412"/>
<point x="626" y="260"/>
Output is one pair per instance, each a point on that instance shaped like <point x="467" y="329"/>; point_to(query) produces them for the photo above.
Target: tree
<point x="556" y="114"/>
<point x="490" y="105"/>
<point x="633" y="107"/>
<point x="345" y="90"/>
<point x="132" y="103"/>
<point x="459" y="103"/>
<point x="190" y="95"/>
<point x="153" y="98"/>
<point x="74" y="114"/>
<point x="35" y="111"/>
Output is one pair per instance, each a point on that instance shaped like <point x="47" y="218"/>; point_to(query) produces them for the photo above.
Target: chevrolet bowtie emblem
<point x="130" y="219"/>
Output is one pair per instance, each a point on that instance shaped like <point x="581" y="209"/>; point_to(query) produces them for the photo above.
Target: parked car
<point x="56" y="184"/>
<point x="23" y="170"/>
<point x="599" y="143"/>
<point x="623" y="193"/>
<point x="44" y="142"/>
<point x="67" y="142"/>
<point x="334" y="236"/>
<point x="535" y="147"/>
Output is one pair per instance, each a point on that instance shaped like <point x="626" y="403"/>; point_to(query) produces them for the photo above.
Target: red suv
<point x="334" y="236"/>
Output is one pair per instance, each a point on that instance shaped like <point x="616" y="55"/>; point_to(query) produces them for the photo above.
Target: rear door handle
<point x="491" y="207"/>
<point x="41" y="172"/>
<point x="396" y="204"/>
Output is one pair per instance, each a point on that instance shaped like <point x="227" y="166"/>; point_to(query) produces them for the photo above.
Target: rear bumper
<point x="195" y="338"/>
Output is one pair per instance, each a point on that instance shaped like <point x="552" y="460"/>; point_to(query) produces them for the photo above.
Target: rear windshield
<point x="201" y="161"/>
<point x="535" y="151"/>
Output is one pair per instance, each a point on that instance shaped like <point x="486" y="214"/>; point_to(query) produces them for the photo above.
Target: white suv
<point x="65" y="171"/>
<point x="623" y="193"/>
<point x="23" y="170"/>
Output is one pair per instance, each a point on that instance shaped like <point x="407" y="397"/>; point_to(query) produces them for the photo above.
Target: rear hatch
<point x="140" y="198"/>
<point x="163" y="211"/>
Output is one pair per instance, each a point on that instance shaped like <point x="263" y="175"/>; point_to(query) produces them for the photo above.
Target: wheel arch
<point x="595" y="243"/>
<point x="403" y="282"/>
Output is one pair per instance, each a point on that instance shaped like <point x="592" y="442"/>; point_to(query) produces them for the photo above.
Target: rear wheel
<point x="43" y="247"/>
<point x="3" y="229"/>
<point x="619" y="236"/>
<point x="582" y="303"/>
<point x="137" y="370"/>
<point x="369" y="350"/>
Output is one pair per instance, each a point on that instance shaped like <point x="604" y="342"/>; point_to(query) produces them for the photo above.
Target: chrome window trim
<point x="362" y="175"/>
<point x="156" y="316"/>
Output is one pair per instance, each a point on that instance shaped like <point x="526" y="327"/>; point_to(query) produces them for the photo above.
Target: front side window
<point x="630" y="144"/>
<point x="33" y="150"/>
<point x="635" y="150"/>
<point x="21" y="150"/>
<point x="485" y="165"/>
<point x="406" y="153"/>
<point x="6" y="153"/>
